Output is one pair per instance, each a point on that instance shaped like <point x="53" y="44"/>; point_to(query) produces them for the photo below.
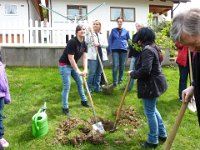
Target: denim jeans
<point x="183" y="71"/>
<point x="94" y="76"/>
<point x="132" y="67"/>
<point x="66" y="72"/>
<point x="1" y="117"/>
<point x="119" y="60"/>
<point x="155" y="122"/>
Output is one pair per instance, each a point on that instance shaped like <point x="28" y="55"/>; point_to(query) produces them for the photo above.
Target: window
<point x="76" y="10"/>
<point x="10" y="9"/>
<point x="127" y="13"/>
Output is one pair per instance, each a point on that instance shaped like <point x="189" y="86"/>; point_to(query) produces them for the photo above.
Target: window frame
<point x="122" y="10"/>
<point x="80" y="7"/>
<point x="8" y="14"/>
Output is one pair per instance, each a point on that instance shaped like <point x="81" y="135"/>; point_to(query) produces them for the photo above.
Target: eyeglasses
<point x="96" y="24"/>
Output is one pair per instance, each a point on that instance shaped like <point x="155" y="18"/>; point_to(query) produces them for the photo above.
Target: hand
<point x="129" y="72"/>
<point x="187" y="94"/>
<point x="89" y="29"/>
<point x="96" y="44"/>
<point x="84" y="73"/>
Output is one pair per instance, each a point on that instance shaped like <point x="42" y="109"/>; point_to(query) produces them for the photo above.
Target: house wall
<point x="20" y="18"/>
<point x="102" y="13"/>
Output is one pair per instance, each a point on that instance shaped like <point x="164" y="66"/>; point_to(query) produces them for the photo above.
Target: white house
<point x="17" y="28"/>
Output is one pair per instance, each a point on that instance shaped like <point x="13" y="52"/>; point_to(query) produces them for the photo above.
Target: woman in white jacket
<point x="96" y="41"/>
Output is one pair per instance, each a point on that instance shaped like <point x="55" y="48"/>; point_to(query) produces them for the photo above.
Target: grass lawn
<point x="30" y="87"/>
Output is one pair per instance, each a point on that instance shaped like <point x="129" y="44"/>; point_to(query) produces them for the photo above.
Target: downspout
<point x="28" y="19"/>
<point x="50" y="13"/>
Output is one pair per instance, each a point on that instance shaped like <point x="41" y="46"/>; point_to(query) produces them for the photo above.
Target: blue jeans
<point x="155" y="122"/>
<point x="94" y="76"/>
<point x="132" y="67"/>
<point x="66" y="72"/>
<point x="183" y="71"/>
<point x="1" y="117"/>
<point x="119" y="60"/>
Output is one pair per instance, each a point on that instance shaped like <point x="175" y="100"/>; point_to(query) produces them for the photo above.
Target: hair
<point x="99" y="24"/>
<point x="79" y="28"/>
<point x="146" y="36"/>
<point x="120" y="18"/>
<point x="187" y="22"/>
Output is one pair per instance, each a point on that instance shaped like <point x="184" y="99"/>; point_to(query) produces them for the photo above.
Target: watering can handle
<point x="35" y="122"/>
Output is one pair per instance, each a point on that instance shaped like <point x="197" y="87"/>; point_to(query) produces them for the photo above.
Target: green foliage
<point x="162" y="30"/>
<point x="134" y="45"/>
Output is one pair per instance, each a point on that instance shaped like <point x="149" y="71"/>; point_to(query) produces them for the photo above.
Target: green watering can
<point x="40" y="122"/>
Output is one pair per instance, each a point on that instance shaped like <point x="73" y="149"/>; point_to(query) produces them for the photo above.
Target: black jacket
<point x="133" y="52"/>
<point x="151" y="81"/>
<point x="196" y="83"/>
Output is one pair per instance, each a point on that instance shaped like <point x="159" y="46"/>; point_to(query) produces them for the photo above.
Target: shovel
<point x="120" y="106"/>
<point x="107" y="89"/>
<point x="98" y="125"/>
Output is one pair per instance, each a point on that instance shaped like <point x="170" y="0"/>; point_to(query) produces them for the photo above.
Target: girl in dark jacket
<point x="151" y="84"/>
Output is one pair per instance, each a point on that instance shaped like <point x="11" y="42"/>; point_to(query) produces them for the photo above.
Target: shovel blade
<point x="98" y="126"/>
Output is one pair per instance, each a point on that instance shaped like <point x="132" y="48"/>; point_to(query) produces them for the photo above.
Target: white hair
<point x="187" y="22"/>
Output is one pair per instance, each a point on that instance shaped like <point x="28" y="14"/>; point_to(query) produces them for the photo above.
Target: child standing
<point x="4" y="99"/>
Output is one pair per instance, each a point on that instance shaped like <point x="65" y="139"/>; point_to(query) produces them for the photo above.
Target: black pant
<point x="183" y="71"/>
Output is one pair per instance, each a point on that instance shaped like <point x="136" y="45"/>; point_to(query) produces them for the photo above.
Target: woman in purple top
<point x="4" y="99"/>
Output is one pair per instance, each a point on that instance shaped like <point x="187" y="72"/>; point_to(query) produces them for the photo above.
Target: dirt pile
<point x="75" y="131"/>
<point x="129" y="117"/>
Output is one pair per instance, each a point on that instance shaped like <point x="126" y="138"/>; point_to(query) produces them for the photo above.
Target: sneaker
<point x="85" y="104"/>
<point x="65" y="111"/>
<point x="162" y="139"/>
<point x="148" y="145"/>
<point x="3" y="143"/>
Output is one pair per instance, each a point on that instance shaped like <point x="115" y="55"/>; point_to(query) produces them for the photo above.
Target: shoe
<point x="65" y="111"/>
<point x="148" y="145"/>
<point x="3" y="143"/>
<point x="162" y="139"/>
<point x="115" y="85"/>
<point x="85" y="104"/>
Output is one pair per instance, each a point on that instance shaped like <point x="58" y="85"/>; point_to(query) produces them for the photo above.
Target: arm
<point x="144" y="71"/>
<point x="74" y="64"/>
<point x="103" y="41"/>
<point x="4" y="86"/>
<point x="85" y="64"/>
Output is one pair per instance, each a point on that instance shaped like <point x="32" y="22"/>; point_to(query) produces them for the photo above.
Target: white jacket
<point x="91" y="54"/>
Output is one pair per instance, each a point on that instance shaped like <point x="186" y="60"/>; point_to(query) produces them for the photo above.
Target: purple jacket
<point x="4" y="88"/>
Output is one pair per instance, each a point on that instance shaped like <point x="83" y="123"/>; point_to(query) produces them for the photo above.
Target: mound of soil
<point x="128" y="116"/>
<point x="75" y="131"/>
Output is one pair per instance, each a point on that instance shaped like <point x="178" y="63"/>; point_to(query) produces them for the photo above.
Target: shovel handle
<point x="122" y="102"/>
<point x="174" y="130"/>
<point x="101" y="65"/>
<point x="90" y="98"/>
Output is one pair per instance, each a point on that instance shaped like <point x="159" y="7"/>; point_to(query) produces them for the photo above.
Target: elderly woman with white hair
<point x="186" y="30"/>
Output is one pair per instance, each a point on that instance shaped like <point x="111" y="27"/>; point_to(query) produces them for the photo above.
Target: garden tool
<point x="98" y="125"/>
<point x="107" y="89"/>
<point x="179" y="118"/>
<point x="40" y="122"/>
<point x="192" y="103"/>
<point x="120" y="106"/>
